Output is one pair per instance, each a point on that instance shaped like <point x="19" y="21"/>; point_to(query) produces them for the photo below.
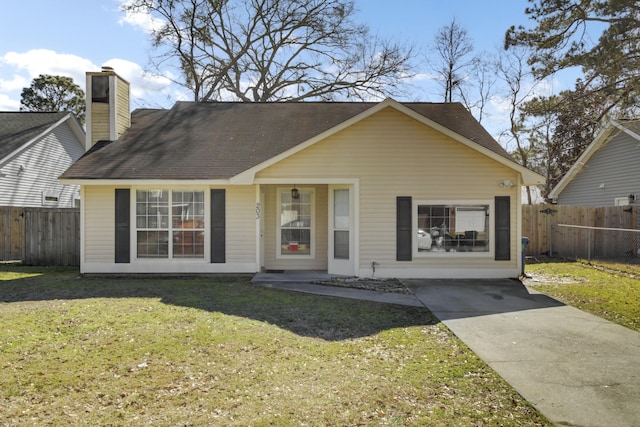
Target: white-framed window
<point x="452" y="227"/>
<point x="170" y="223"/>
<point x="50" y="198"/>
<point x="296" y="223"/>
<point x="621" y="201"/>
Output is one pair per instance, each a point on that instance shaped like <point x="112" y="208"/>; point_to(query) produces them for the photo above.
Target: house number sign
<point x="257" y="210"/>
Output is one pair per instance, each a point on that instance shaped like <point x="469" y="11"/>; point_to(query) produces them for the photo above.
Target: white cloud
<point x="18" y="69"/>
<point x="8" y="104"/>
<point x="147" y="89"/>
<point x="43" y="61"/>
<point x="421" y="77"/>
<point x="139" y="18"/>
<point x="16" y="83"/>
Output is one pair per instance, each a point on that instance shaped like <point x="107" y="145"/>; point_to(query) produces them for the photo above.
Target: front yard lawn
<point x="94" y="351"/>
<point x="608" y="290"/>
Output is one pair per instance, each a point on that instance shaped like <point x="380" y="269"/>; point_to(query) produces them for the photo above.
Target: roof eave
<point x="75" y="128"/>
<point x="601" y="138"/>
<point x="142" y="182"/>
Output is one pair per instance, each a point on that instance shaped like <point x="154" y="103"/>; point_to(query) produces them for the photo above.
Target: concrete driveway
<point x="575" y="368"/>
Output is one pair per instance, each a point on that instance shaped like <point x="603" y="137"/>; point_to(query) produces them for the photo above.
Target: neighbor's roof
<point x="207" y="141"/>
<point x="18" y="128"/>
<point x="606" y="135"/>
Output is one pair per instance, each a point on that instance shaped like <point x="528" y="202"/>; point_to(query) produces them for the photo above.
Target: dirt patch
<point x="380" y="285"/>
<point x="549" y="279"/>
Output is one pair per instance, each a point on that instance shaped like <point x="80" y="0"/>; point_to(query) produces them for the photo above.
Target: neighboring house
<point x="410" y="189"/>
<point x="607" y="172"/>
<point x="35" y="148"/>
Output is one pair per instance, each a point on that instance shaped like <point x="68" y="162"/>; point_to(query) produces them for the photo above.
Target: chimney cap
<point x="106" y="68"/>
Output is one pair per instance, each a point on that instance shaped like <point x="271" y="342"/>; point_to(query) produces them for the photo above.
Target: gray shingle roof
<point x="221" y="140"/>
<point x="18" y="128"/>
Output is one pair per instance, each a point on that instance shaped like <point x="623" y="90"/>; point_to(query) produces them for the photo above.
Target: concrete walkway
<point x="575" y="368"/>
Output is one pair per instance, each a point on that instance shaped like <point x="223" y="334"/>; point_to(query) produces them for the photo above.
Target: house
<point x="35" y="148"/>
<point x="607" y="172"/>
<point x="407" y="189"/>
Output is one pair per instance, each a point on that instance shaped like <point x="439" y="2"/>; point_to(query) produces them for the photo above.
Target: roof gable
<point x="451" y="119"/>
<point x="230" y="141"/>
<point x="18" y="129"/>
<point x="606" y="135"/>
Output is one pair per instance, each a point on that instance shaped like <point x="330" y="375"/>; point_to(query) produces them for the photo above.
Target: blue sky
<point x="70" y="37"/>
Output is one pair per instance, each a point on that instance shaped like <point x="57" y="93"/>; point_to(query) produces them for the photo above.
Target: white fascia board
<point x="77" y="129"/>
<point x="604" y="136"/>
<point x="626" y="130"/>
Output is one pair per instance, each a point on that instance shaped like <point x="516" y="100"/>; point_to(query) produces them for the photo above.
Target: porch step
<point x="297" y="276"/>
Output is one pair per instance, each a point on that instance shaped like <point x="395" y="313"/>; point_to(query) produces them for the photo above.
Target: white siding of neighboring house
<point x="394" y="155"/>
<point x="43" y="162"/>
<point x="99" y="236"/>
<point x="616" y="165"/>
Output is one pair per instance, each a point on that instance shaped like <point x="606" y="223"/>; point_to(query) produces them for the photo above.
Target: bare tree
<point x="514" y="71"/>
<point x="273" y="50"/>
<point x="480" y="87"/>
<point x="454" y="47"/>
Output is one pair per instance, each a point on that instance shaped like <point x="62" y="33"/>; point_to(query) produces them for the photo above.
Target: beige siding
<point x="319" y="259"/>
<point x="99" y="220"/>
<point x="241" y="224"/>
<point x="394" y="155"/>
<point x="123" y="114"/>
<point x="99" y="122"/>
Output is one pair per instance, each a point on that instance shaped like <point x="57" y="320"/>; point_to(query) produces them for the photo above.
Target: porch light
<point x="295" y="194"/>
<point x="632" y="198"/>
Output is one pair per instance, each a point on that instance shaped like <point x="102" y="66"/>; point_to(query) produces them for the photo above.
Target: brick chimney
<point x="108" y="110"/>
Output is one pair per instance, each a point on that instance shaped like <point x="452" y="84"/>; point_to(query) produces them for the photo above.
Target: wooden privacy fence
<point x="40" y="236"/>
<point x="581" y="232"/>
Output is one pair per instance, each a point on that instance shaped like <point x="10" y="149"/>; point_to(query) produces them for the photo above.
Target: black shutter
<point x="123" y="225"/>
<point x="218" y="221"/>
<point x="403" y="228"/>
<point x="503" y="228"/>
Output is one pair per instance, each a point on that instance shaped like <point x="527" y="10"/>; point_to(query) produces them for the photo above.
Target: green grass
<point x="89" y="351"/>
<point x="609" y="290"/>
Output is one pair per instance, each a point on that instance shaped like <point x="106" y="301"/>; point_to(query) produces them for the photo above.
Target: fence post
<point x="550" y="236"/>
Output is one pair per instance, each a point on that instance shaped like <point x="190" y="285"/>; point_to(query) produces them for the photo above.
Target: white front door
<point x="341" y="238"/>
